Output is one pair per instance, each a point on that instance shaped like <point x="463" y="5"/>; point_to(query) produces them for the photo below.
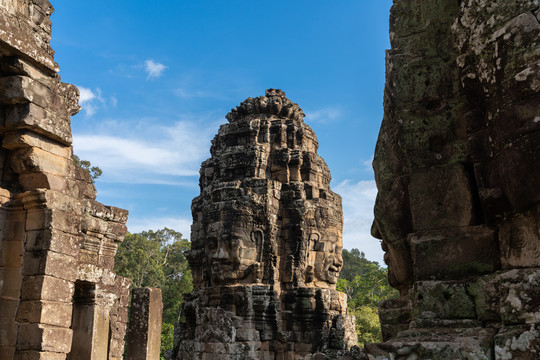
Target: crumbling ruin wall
<point x="58" y="295"/>
<point x="457" y="166"/>
<point x="266" y="243"/>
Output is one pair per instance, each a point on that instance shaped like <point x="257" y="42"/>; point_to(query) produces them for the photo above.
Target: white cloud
<point x="146" y="153"/>
<point x="113" y="101"/>
<point x="180" y="224"/>
<point x="90" y="100"/>
<point x="153" y="69"/>
<point x="325" y="114"/>
<point x="187" y="94"/>
<point x="86" y="95"/>
<point x="358" y="201"/>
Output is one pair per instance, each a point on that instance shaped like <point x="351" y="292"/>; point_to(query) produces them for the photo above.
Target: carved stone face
<point x="328" y="260"/>
<point x="231" y="254"/>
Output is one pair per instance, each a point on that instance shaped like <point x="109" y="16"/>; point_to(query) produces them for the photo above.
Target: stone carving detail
<point x="457" y="168"/>
<point x="266" y="242"/>
<point x="59" y="298"/>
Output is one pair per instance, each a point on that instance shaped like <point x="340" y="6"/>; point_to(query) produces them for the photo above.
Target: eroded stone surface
<point x="266" y="243"/>
<point x="456" y="166"/>
<point x="59" y="298"/>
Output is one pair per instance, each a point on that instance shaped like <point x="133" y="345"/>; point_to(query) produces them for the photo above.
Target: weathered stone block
<point x="520" y="298"/>
<point x="45" y="312"/>
<point x="394" y="311"/>
<point x="144" y="336"/>
<point x="441" y="198"/>
<point x="50" y="263"/>
<point x="24" y="139"/>
<point x="22" y="33"/>
<point x="487" y="297"/>
<point x="42" y="181"/>
<point x="518" y="342"/>
<point x="519" y="240"/>
<point x="37" y="118"/>
<point x="10" y="286"/>
<point x="14" y="225"/>
<point x="44" y="337"/>
<point x="8" y="332"/>
<point x="441" y="300"/>
<point x="8" y="307"/>
<point x="34" y="160"/>
<point x="11" y="253"/>
<point x="7" y="352"/>
<point x="454" y="253"/>
<point x="39" y="355"/>
<point x="53" y="240"/>
<point x="436" y="344"/>
<point x="43" y="219"/>
<point x="44" y="287"/>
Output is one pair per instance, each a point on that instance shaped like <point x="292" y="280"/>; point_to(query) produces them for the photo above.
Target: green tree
<point x="94" y="171"/>
<point x="156" y="259"/>
<point x="366" y="284"/>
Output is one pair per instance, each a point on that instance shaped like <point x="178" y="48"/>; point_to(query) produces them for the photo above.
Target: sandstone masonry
<point x="266" y="243"/>
<point x="457" y="165"/>
<point x="59" y="298"/>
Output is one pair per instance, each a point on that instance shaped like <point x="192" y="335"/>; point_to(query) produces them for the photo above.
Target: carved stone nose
<point x="221" y="254"/>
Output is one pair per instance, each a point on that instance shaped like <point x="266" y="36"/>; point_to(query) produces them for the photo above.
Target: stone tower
<point x="266" y="243"/>
<point x="457" y="166"/>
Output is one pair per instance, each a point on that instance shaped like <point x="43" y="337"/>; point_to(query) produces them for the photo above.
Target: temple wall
<point x="457" y="165"/>
<point x="59" y="298"/>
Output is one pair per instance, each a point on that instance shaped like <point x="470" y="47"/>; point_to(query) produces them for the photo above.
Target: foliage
<point x="368" y="327"/>
<point x="156" y="259"/>
<point x="167" y="335"/>
<point x="366" y="284"/>
<point x="94" y="171"/>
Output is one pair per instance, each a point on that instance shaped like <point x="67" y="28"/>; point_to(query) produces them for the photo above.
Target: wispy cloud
<point x="153" y="69"/>
<point x="180" y="224"/>
<point x="92" y="100"/>
<point x="188" y="94"/>
<point x="147" y="153"/>
<point x="86" y="95"/>
<point x="358" y="201"/>
<point x="325" y="114"/>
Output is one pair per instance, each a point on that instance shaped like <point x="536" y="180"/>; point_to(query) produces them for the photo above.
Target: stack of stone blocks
<point x="266" y="243"/>
<point x="59" y="298"/>
<point x="457" y="165"/>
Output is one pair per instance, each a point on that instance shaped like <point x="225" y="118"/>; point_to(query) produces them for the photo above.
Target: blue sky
<point x="158" y="77"/>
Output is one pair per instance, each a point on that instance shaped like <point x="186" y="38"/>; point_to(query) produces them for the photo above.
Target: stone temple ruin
<point x="457" y="168"/>
<point x="266" y="243"/>
<point x="59" y="298"/>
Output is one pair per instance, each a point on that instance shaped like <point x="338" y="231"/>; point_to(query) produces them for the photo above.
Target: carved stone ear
<point x="257" y="237"/>
<point x="314" y="240"/>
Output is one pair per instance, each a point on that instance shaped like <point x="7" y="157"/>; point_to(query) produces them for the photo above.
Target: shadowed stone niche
<point x="266" y="243"/>
<point x="457" y="166"/>
<point x="59" y="298"/>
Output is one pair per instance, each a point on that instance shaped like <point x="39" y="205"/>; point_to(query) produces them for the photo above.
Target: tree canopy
<point x="94" y="171"/>
<point x="156" y="259"/>
<point x="366" y="283"/>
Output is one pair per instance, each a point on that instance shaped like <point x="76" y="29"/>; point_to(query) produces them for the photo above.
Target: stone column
<point x="144" y="332"/>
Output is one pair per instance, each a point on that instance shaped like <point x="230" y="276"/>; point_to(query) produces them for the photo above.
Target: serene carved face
<point x="231" y="253"/>
<point x="329" y="260"/>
